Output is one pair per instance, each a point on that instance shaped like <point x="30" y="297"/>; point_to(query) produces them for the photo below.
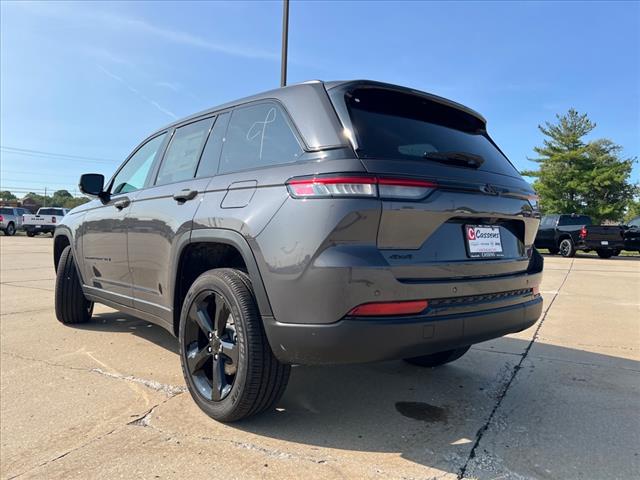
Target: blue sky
<point x="90" y="80"/>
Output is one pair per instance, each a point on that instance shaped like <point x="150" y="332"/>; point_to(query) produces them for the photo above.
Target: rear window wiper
<point x="461" y="159"/>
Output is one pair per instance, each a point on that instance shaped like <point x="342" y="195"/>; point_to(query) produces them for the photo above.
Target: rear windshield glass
<point x="50" y="211"/>
<point x="397" y="125"/>
<point x="6" y="211"/>
<point x="574" y="220"/>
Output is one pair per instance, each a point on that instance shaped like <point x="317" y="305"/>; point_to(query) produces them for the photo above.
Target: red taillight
<point x="380" y="309"/>
<point x="1" y="218"/>
<point x="359" y="186"/>
<point x="583" y="232"/>
<point x="53" y="219"/>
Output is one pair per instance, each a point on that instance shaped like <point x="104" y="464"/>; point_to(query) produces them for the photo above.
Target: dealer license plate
<point x="483" y="241"/>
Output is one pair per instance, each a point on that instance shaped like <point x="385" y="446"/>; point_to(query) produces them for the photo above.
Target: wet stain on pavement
<point x="422" y="411"/>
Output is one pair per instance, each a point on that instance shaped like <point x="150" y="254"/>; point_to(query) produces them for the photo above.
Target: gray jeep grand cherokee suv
<point x="321" y="223"/>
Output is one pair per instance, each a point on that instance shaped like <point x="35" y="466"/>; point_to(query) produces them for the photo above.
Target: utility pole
<point x="285" y="42"/>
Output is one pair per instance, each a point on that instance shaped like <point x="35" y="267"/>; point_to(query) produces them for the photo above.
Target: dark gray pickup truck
<point x="566" y="234"/>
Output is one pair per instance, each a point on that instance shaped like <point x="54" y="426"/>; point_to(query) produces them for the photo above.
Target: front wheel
<point x="554" y="251"/>
<point x="567" y="248"/>
<point x="440" y="358"/>
<point x="71" y="304"/>
<point x="30" y="233"/>
<point x="226" y="359"/>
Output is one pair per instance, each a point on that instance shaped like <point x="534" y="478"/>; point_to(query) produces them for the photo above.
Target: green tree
<point x="575" y="175"/>
<point x="6" y="195"/>
<point x="633" y="210"/>
<point x="59" y="197"/>
<point x="74" y="202"/>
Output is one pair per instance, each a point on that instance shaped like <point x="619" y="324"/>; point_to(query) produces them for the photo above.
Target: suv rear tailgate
<point x="406" y="134"/>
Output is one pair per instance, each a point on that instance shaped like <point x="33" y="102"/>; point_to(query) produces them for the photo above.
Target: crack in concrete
<point x="483" y="429"/>
<point x="25" y="311"/>
<point x="167" y="389"/>
<point x="62" y="455"/>
<point x="11" y="284"/>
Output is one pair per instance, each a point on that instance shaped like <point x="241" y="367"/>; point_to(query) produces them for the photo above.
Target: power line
<point x="60" y="156"/>
<point x="15" y="180"/>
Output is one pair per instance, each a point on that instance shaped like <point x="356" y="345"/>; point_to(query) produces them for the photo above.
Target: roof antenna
<point x="285" y="42"/>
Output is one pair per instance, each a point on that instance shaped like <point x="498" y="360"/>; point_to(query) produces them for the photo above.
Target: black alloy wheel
<point x="567" y="249"/>
<point x="211" y="351"/>
<point x="227" y="362"/>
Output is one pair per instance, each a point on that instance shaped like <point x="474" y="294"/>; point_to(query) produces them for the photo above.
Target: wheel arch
<point x="221" y="248"/>
<point x="61" y="240"/>
<point x="564" y="236"/>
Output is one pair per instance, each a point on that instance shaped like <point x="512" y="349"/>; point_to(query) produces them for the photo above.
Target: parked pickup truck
<point x="11" y="219"/>
<point x="45" y="221"/>
<point x="565" y="234"/>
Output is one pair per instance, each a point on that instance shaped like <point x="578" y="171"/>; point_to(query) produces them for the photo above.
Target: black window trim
<point x="224" y="134"/>
<point x="156" y="169"/>
<point x="170" y="130"/>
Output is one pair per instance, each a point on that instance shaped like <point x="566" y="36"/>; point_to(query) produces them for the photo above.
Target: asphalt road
<point x="107" y="399"/>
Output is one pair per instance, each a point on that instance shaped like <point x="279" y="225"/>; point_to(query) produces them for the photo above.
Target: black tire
<point x="605" y="253"/>
<point x="30" y="233"/>
<point x="231" y="341"/>
<point x="440" y="358"/>
<point x="10" y="230"/>
<point x="567" y="248"/>
<point x="71" y="305"/>
<point x="554" y="251"/>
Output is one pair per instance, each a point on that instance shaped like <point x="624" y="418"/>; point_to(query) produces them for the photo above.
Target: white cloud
<point x="137" y="92"/>
<point x="136" y="26"/>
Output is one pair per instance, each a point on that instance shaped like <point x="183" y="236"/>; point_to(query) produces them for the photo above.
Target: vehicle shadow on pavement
<point x="117" y="322"/>
<point x="432" y="416"/>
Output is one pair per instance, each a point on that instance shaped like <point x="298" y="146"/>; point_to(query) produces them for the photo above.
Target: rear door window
<point x="6" y="211"/>
<point x="258" y="136"/>
<point x="396" y="125"/>
<point x="183" y="153"/>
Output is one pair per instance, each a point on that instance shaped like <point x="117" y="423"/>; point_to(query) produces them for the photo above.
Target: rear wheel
<point x="71" y="304"/>
<point x="605" y="253"/>
<point x="30" y="233"/>
<point x="10" y="230"/>
<point x="567" y="248"/>
<point x="227" y="362"/>
<point x="440" y="358"/>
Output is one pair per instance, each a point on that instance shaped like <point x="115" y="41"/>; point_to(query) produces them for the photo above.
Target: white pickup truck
<point x="44" y="221"/>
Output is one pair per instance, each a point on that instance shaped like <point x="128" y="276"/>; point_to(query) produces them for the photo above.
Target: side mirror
<point x="92" y="184"/>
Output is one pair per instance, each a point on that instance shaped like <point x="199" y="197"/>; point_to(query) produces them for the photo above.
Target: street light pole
<point x="285" y="42"/>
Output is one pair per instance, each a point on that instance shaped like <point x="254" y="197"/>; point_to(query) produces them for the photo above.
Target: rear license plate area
<point x="483" y="241"/>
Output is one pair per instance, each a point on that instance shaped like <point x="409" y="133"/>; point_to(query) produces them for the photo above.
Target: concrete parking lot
<point x="107" y="399"/>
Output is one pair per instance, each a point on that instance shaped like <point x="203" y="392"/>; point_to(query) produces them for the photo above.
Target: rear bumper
<point x="39" y="228"/>
<point x="597" y="245"/>
<point x="356" y="341"/>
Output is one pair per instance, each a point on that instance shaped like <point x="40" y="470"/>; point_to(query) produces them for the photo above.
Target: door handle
<point x="120" y="204"/>
<point x="184" y="195"/>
